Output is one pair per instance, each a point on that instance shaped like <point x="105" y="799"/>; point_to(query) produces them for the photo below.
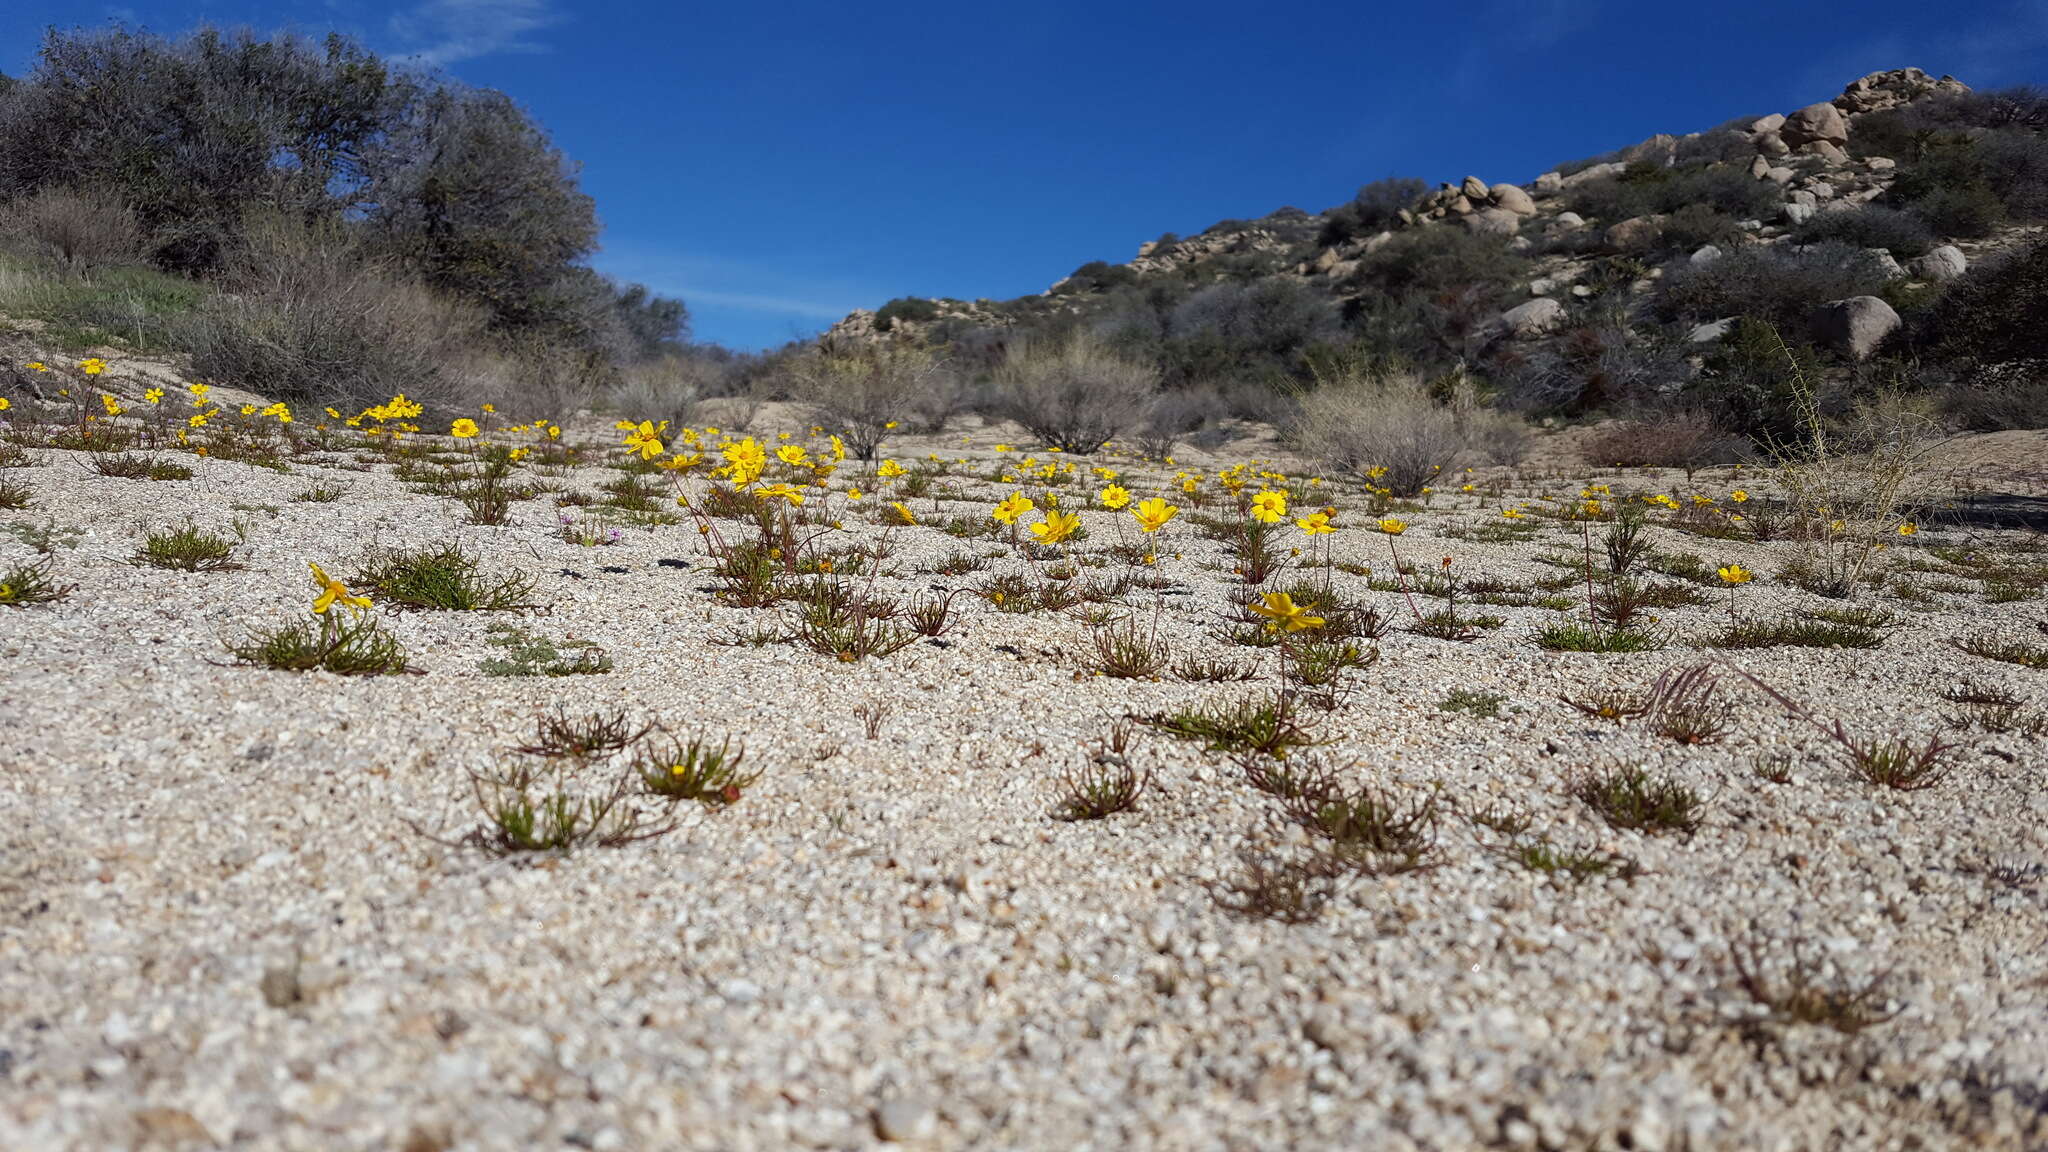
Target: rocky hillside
<point x="1845" y="218"/>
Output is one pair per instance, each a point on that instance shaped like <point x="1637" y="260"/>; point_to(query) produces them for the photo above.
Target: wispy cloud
<point x="1515" y="27"/>
<point x="449" y="31"/>
<point x="757" y="302"/>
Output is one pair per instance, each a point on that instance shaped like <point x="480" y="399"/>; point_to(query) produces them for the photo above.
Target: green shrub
<point x="1777" y="283"/>
<point x="1871" y="226"/>
<point x="905" y="308"/>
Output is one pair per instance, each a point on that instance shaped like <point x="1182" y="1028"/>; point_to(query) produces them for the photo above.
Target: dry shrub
<point x="1360" y="420"/>
<point x="77" y="231"/>
<point x="670" y="388"/>
<point x="1850" y="479"/>
<point x="312" y="317"/>
<point x="1687" y="439"/>
<point x="1075" y="395"/>
<point x="862" y="391"/>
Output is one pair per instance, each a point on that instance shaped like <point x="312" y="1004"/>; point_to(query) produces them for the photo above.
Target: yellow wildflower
<point x="1269" y="507"/>
<point x="333" y="592"/>
<point x="1113" y="497"/>
<point x="1056" y="526"/>
<point x="1284" y="615"/>
<point x="465" y="428"/>
<point x="1392" y="526"/>
<point x="1153" y="514"/>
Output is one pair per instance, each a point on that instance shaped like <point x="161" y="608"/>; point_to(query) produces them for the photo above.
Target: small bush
<point x="78" y="231"/>
<point x="313" y="318"/>
<point x="331" y="643"/>
<point x="444" y="578"/>
<point x="1776" y="283"/>
<point x="1074" y="394"/>
<point x="26" y="584"/>
<point x="1360" y="422"/>
<point x="1870" y="226"/>
<point x="187" y="549"/>
<point x="1688" y="439"/>
<point x="1630" y="797"/>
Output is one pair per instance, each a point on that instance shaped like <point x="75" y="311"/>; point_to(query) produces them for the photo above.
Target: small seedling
<point x="1800" y="993"/>
<point x="1485" y="705"/>
<point x="527" y="654"/>
<point x="26" y="584"/>
<point x="695" y="770"/>
<point x="559" y="734"/>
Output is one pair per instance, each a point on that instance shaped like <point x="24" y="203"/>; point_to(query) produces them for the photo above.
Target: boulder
<point x="1759" y="168"/>
<point x="1942" y="264"/>
<point x="1855" y="326"/>
<point x="1474" y="188"/>
<point x="1635" y="232"/>
<point x="1493" y="222"/>
<point x="1771" y="123"/>
<point x="1889" y="89"/>
<point x="1548" y="184"/>
<point x="1566" y="221"/>
<point x="1821" y="189"/>
<point x="1461" y="205"/>
<point x="1830" y="153"/>
<point x="1880" y="163"/>
<point x="1881" y="258"/>
<point x="1797" y="213"/>
<point x="1379" y="240"/>
<point x="1706" y="254"/>
<point x="1712" y="332"/>
<point x="1513" y="199"/>
<point x="1815" y="123"/>
<point x="1802" y="196"/>
<point x="1780" y="175"/>
<point x="1542" y="286"/>
<point x="1772" y="144"/>
<point x="1534" y="318"/>
<point x="1595" y="172"/>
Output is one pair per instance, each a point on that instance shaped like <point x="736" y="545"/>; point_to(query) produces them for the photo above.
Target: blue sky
<point x="777" y="164"/>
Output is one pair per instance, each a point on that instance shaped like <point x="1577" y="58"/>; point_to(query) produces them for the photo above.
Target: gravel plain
<point x="236" y="909"/>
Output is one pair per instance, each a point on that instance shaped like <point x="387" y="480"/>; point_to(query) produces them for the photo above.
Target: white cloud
<point x="449" y="31"/>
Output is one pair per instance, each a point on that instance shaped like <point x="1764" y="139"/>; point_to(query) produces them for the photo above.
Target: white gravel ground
<point x="222" y="926"/>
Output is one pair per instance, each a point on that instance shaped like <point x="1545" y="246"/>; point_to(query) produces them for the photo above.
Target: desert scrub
<point x="535" y="807"/>
<point x="1129" y="650"/>
<point x="445" y="578"/>
<point x="344" y="645"/>
<point x="1631" y="798"/>
<point x="1264" y="725"/>
<point x="1485" y="705"/>
<point x="122" y="466"/>
<point x="1795" y="632"/>
<point x="1101" y="787"/>
<point x="26" y="584"/>
<point x="527" y="654"/>
<point x="1573" y="636"/>
<point x="188" y="548"/>
<point x="694" y="769"/>
<point x="15" y="495"/>
<point x="560" y="734"/>
<point x="2006" y="651"/>
<point x="1801" y="990"/>
<point x="1271" y="885"/>
<point x="1364" y="829"/>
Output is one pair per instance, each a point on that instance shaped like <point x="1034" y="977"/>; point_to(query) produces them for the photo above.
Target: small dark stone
<point x="672" y="562"/>
<point x="612" y="568"/>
